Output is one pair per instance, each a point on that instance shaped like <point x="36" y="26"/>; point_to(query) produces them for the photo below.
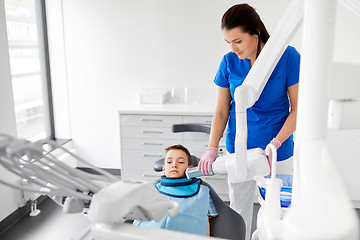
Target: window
<point x="26" y="29"/>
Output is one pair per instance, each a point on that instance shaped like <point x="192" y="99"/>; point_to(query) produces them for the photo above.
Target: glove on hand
<point x="207" y="159"/>
<point x="276" y="144"/>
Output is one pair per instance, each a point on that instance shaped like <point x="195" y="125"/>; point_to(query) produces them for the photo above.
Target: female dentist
<point x="269" y="120"/>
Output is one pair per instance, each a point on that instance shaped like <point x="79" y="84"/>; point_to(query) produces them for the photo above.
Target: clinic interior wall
<point x="112" y="49"/>
<point x="343" y="145"/>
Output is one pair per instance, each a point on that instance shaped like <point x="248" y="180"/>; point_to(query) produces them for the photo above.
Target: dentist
<point x="272" y="119"/>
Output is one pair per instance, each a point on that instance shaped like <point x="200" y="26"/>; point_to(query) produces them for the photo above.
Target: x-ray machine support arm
<point x="249" y="92"/>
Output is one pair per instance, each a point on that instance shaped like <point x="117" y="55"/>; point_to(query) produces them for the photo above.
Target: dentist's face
<point x="176" y="162"/>
<point x="242" y="43"/>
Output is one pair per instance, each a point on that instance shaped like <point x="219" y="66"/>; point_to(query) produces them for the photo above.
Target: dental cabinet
<point x="146" y="130"/>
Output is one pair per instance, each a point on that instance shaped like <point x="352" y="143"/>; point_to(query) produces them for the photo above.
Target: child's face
<point x="176" y="162"/>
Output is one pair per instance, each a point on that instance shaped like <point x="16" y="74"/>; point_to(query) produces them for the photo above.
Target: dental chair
<point x="228" y="224"/>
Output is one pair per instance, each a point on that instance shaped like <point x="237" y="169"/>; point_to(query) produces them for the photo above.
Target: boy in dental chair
<point x="194" y="199"/>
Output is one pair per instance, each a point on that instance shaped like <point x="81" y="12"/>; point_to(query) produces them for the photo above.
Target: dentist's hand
<point x="207" y="159"/>
<point x="276" y="144"/>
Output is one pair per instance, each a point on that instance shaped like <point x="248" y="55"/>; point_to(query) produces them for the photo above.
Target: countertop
<point x="169" y="109"/>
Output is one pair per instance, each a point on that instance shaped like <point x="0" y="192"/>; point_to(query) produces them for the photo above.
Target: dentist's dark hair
<point x="245" y="17"/>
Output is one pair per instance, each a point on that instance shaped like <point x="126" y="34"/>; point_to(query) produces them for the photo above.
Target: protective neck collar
<point x="181" y="187"/>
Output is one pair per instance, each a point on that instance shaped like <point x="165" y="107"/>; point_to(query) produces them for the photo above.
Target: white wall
<point x="112" y="48"/>
<point x="9" y="196"/>
<point x="344" y="144"/>
<point x="347" y="35"/>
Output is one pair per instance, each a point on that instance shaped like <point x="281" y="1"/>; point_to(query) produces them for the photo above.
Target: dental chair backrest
<point x="159" y="163"/>
<point x="228" y="224"/>
<point x="185" y="127"/>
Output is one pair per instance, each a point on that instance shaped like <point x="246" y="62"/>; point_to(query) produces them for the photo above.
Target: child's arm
<point x="208" y="228"/>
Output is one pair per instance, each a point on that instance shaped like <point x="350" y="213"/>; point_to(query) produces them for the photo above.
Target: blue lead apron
<point x="193" y="199"/>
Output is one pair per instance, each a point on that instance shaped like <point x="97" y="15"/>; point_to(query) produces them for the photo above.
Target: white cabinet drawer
<point x="149" y="132"/>
<point x="195" y="146"/>
<point x="144" y="138"/>
<point x="149" y="120"/>
<point x="201" y="145"/>
<point x="147" y="176"/>
<point x="200" y="136"/>
<point x="140" y="160"/>
<point x="218" y="182"/>
<point x="196" y="136"/>
<point x="148" y="144"/>
<point x="198" y="119"/>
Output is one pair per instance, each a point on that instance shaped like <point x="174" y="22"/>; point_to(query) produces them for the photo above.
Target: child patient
<point x="192" y="197"/>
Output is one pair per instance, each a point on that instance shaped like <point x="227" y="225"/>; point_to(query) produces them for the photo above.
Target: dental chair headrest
<point x="159" y="163"/>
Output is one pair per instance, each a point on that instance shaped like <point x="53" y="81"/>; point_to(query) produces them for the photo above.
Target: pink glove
<point x="276" y="144"/>
<point x="207" y="159"/>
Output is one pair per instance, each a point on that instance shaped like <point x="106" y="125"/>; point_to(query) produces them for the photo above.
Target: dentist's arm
<point x="217" y="129"/>
<point x="290" y="123"/>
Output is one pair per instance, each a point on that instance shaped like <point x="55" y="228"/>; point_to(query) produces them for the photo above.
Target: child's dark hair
<point x="180" y="147"/>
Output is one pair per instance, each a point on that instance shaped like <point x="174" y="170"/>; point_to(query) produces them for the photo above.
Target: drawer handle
<point x="150" y="175"/>
<point x="152" y="155"/>
<point x="212" y="178"/>
<point x="151" y="120"/>
<point x="146" y="131"/>
<point x="152" y="144"/>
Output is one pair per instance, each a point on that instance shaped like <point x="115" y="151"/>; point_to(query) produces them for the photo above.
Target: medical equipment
<point x="342" y="114"/>
<point x="256" y="162"/>
<point x="270" y="211"/>
<point x="285" y="191"/>
<point x="111" y="201"/>
<point x="315" y="177"/>
<point x="226" y="164"/>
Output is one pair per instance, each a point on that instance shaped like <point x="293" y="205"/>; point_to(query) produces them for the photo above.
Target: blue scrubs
<point x="266" y="117"/>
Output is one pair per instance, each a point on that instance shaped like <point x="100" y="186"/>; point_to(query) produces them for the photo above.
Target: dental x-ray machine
<point x="320" y="207"/>
<point x="315" y="178"/>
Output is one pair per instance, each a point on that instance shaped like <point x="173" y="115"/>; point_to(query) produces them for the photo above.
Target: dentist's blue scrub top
<point x="266" y="117"/>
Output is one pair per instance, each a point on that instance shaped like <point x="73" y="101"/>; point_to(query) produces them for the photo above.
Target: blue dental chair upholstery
<point x="228" y="224"/>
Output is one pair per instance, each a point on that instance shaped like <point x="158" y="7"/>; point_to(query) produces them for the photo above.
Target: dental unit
<point x="112" y="201"/>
